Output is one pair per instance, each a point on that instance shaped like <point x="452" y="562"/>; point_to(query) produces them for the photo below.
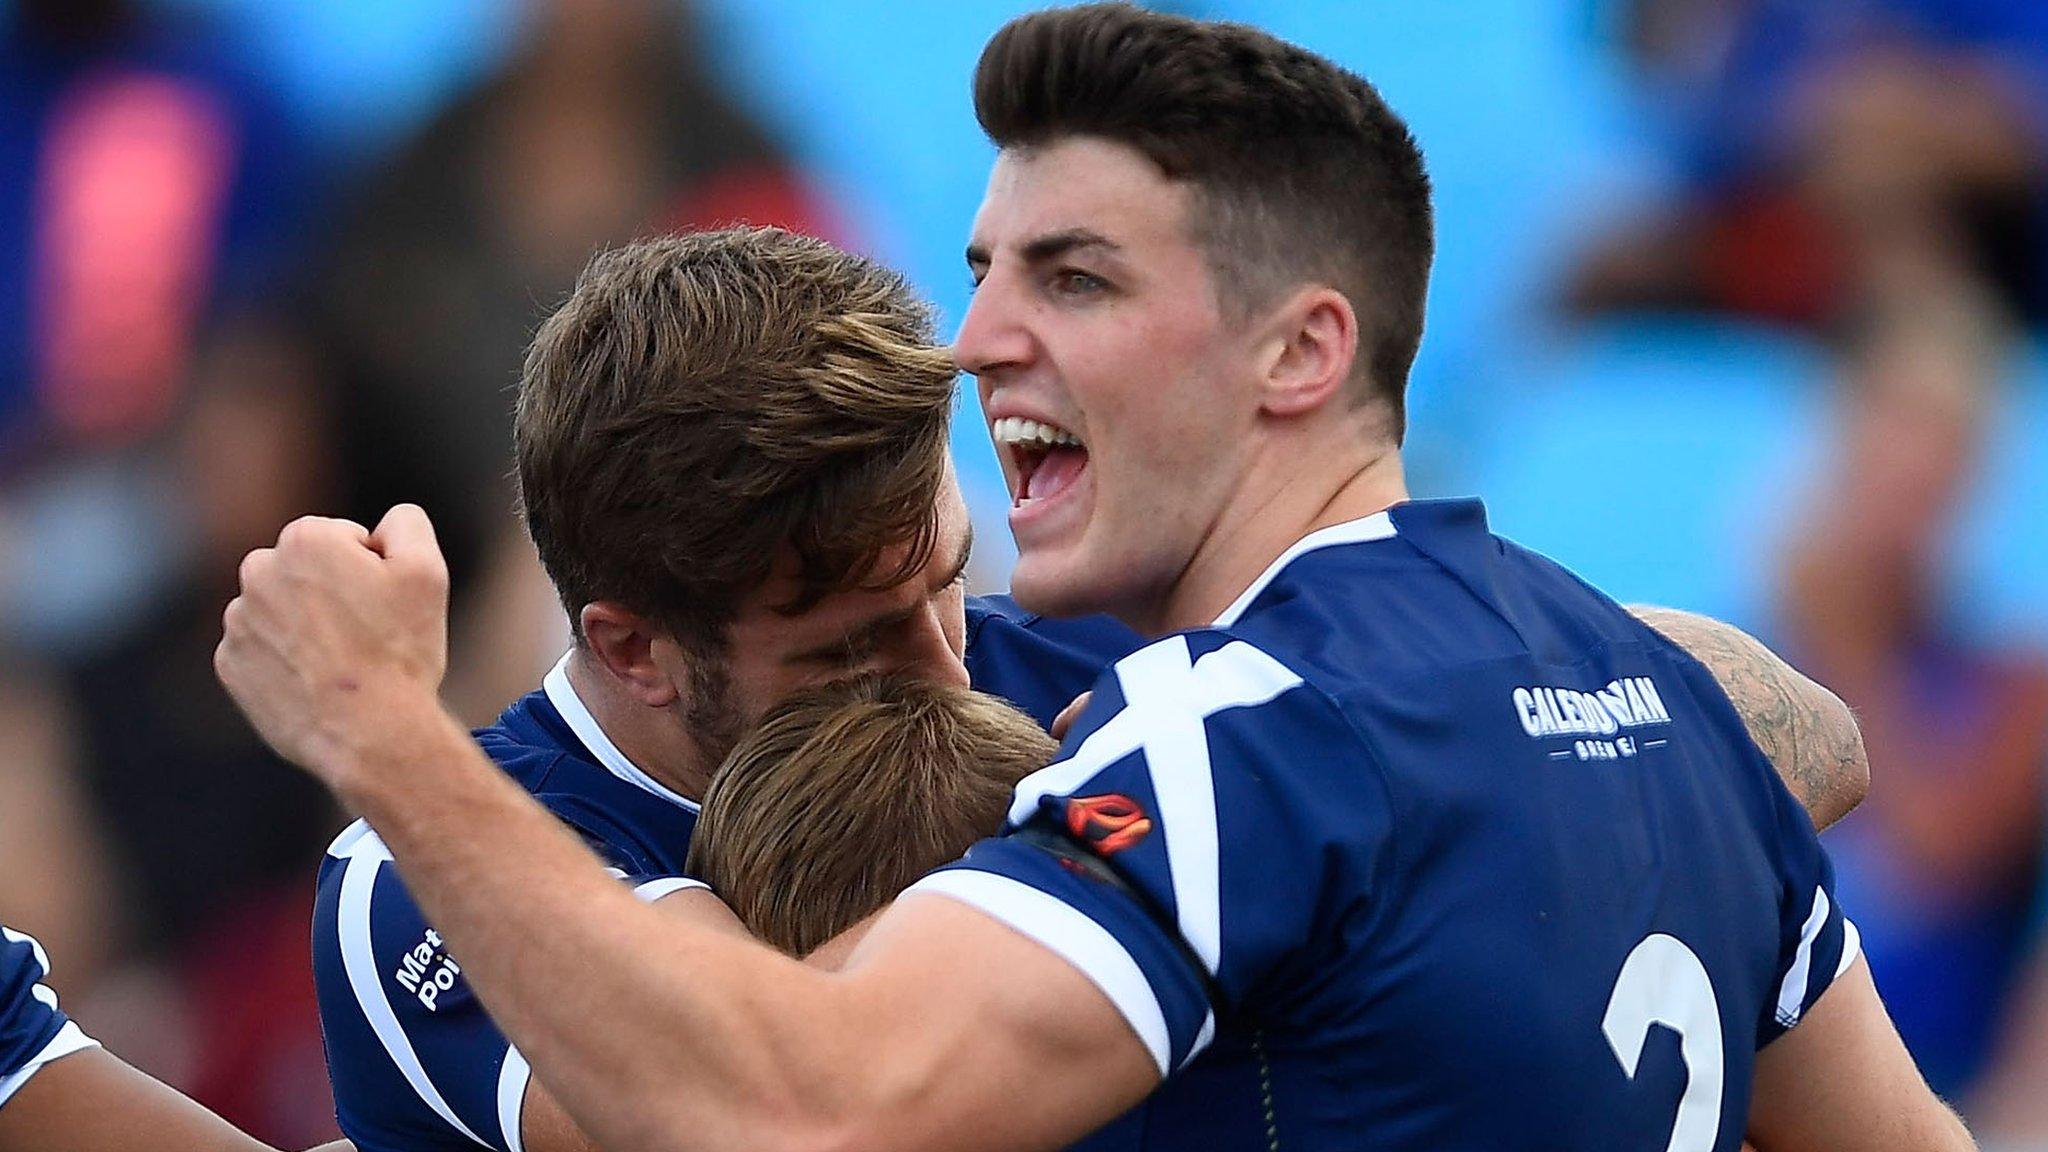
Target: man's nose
<point x="927" y="650"/>
<point x="990" y="338"/>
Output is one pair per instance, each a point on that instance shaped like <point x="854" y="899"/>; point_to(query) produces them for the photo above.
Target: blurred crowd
<point x="212" y="320"/>
<point x="208" y="327"/>
<point x="1874" y="175"/>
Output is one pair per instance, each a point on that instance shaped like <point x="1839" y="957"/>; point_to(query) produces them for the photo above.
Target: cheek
<point x="1178" y="425"/>
<point x="756" y="681"/>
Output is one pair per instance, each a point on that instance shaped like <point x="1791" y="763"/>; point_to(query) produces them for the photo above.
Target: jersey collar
<point x="1378" y="526"/>
<point x="562" y="695"/>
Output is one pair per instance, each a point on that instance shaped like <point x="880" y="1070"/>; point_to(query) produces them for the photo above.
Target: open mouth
<point x="1045" y="459"/>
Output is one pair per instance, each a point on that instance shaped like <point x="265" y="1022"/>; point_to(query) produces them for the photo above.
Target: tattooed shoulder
<point x="1809" y="735"/>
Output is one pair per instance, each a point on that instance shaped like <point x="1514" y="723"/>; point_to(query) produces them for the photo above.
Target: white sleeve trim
<point x="35" y="949"/>
<point x="359" y="959"/>
<point x="667" y="886"/>
<point x="358" y="837"/>
<point x="513" y="1076"/>
<point x="1792" y="993"/>
<point x="1070" y="934"/>
<point x="1202" y="1038"/>
<point x="68" y="1039"/>
<point x="1852" y="946"/>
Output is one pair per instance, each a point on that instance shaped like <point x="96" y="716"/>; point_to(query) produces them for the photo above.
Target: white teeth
<point x="1018" y="430"/>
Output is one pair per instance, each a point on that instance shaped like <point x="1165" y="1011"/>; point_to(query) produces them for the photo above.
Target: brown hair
<point x="700" y="403"/>
<point x="846" y="794"/>
<point x="1301" y="171"/>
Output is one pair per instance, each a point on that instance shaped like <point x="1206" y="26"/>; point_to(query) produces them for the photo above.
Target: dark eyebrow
<point x="1050" y="246"/>
<point x="1053" y="245"/>
<point x="866" y="630"/>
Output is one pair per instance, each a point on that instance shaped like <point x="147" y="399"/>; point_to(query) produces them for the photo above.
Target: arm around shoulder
<point x="1808" y="734"/>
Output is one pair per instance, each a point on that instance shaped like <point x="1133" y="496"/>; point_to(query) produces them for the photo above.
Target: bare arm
<point x="1809" y="735"/>
<point x="713" y="1041"/>
<point x="1842" y="1082"/>
<point x="335" y="651"/>
<point x="92" y="1101"/>
<point x="544" y="1125"/>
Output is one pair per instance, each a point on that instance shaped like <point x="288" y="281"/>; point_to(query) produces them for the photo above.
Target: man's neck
<point x="1274" y="511"/>
<point x="644" y="735"/>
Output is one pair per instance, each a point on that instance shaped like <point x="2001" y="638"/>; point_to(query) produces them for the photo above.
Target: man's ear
<point x="1312" y="346"/>
<point x="623" y="643"/>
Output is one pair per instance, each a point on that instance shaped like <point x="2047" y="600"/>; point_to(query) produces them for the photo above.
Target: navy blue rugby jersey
<point x="1425" y="844"/>
<point x="33" y="1030"/>
<point x="1038" y="663"/>
<point x="415" y="1060"/>
<point x="417" y="1064"/>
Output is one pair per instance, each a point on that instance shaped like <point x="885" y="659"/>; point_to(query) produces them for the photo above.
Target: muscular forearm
<point x="680" y="1038"/>
<point x="1809" y="735"/>
<point x="653" y="1032"/>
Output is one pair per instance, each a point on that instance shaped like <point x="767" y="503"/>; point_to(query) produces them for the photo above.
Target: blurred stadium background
<point x="1738" y="307"/>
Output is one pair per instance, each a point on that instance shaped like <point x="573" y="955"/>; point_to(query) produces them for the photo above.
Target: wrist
<point x="396" y="735"/>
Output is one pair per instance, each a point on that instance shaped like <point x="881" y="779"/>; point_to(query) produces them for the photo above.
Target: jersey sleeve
<point x="33" y="1030"/>
<point x="1816" y="940"/>
<point x="415" y="1060"/>
<point x="1210" y="818"/>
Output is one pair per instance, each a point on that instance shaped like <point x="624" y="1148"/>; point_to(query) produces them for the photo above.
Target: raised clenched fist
<point x="338" y="632"/>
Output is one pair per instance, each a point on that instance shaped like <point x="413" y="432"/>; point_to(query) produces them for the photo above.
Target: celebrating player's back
<point x="1476" y="861"/>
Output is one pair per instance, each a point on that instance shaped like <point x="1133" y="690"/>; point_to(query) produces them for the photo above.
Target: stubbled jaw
<point x="1043" y="460"/>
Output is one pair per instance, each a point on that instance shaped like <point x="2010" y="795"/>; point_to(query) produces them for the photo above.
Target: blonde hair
<point x="847" y="793"/>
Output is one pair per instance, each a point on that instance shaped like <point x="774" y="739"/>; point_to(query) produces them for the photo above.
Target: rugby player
<point x="1075" y="976"/>
<point x="741" y="411"/>
<point x="731" y="452"/>
<point x="60" y="1089"/>
<point x="732" y="459"/>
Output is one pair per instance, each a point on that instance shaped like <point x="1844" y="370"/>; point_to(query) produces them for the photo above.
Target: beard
<point x="713" y="719"/>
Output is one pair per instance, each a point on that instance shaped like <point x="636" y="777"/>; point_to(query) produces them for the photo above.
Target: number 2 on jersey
<point x="1663" y="982"/>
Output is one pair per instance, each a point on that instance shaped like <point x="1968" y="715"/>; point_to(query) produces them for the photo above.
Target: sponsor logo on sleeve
<point x="1109" y="823"/>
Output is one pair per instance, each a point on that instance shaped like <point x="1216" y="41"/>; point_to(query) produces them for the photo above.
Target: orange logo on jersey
<point x="1108" y="824"/>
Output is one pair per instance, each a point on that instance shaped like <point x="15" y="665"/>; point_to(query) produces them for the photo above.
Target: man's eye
<point x="1074" y="282"/>
<point x="836" y="658"/>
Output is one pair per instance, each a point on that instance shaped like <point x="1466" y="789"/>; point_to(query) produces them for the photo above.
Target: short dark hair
<point x="1301" y="171"/>
<point x="702" y="402"/>
<point x="847" y="793"/>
